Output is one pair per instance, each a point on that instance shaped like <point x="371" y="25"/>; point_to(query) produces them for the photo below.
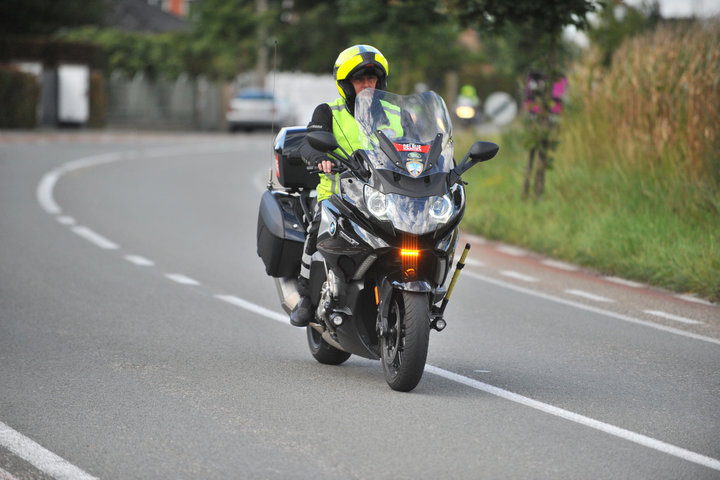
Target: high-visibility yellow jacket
<point x="348" y="136"/>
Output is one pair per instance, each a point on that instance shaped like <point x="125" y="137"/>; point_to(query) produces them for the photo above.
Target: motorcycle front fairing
<point x="404" y="199"/>
<point x="408" y="193"/>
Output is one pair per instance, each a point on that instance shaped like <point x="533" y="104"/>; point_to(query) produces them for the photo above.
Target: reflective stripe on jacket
<point x="349" y="138"/>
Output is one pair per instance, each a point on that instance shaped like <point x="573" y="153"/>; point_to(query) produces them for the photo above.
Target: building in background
<point x="150" y="16"/>
<point x="179" y="8"/>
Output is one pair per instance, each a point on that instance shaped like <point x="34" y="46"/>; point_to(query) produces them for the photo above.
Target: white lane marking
<point x="670" y="316"/>
<point x="510" y="250"/>
<point x="622" y="281"/>
<point x="691" y="298"/>
<point x="634" y="437"/>
<point x="44" y="192"/>
<point x="476" y="239"/>
<point x="65" y="220"/>
<point x="528" y="402"/>
<point x="182" y="279"/>
<point x="140" y="261"/>
<point x="589" y="296"/>
<point x="518" y="276"/>
<point x="5" y="475"/>
<point x="588" y="308"/>
<point x="560" y="265"/>
<point x="51" y="207"/>
<point x="239" y="302"/>
<point x="40" y="457"/>
<point x="474" y="263"/>
<point x="95" y="238"/>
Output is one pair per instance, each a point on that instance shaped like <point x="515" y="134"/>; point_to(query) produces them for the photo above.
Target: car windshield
<point x="254" y="95"/>
<point x="416" y="136"/>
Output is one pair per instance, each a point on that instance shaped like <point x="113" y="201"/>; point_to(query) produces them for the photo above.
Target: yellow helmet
<point x="359" y="59"/>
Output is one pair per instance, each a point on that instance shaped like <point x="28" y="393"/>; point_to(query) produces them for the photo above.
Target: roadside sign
<point x="500" y="108"/>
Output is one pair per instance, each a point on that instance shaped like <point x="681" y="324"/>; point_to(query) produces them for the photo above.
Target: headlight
<point x="465" y="111"/>
<point x="414" y="215"/>
<point x="376" y="202"/>
<point x="441" y="208"/>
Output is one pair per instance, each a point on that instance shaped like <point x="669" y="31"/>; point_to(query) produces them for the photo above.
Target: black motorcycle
<point x="380" y="278"/>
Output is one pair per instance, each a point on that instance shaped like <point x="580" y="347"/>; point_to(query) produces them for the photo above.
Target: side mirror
<point x="322" y="141"/>
<point x="482" y="151"/>
<point x="479" y="152"/>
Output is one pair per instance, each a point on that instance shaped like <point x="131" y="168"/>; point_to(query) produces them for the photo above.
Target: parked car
<point x="257" y="108"/>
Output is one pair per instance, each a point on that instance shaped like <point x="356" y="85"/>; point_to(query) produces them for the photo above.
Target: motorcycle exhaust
<point x="288" y="293"/>
<point x="326" y="335"/>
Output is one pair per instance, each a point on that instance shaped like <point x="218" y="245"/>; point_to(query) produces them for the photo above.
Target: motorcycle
<point x="467" y="112"/>
<point x="386" y="243"/>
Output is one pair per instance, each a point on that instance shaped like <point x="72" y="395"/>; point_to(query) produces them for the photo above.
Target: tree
<point x="44" y="17"/>
<point x="618" y="21"/>
<point x="541" y="24"/>
<point x="309" y="36"/>
<point x="226" y="31"/>
<point x="418" y="37"/>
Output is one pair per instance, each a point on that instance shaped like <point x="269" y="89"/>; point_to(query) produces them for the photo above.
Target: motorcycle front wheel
<point x="323" y="351"/>
<point x="404" y="348"/>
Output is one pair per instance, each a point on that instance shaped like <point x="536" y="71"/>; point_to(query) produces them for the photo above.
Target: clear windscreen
<point x="410" y="125"/>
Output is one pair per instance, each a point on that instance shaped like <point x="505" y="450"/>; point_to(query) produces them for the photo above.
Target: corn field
<point x="658" y="106"/>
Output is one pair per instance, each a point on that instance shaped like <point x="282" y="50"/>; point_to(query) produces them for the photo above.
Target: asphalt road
<point x="140" y="338"/>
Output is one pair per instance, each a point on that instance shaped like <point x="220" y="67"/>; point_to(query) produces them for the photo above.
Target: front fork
<point x="436" y="317"/>
<point x="383" y="297"/>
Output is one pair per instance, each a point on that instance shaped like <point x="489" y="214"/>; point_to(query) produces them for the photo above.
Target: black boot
<point x="302" y="313"/>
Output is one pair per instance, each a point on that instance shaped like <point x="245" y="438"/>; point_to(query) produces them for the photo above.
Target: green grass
<point x="635" y="188"/>
<point x="652" y="226"/>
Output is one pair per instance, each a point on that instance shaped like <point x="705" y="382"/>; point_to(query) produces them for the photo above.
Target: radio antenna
<point x="272" y="118"/>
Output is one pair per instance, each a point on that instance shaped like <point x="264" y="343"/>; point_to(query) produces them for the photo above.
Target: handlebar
<point x="335" y="169"/>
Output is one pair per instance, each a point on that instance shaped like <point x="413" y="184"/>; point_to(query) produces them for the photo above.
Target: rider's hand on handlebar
<point x="325" y="166"/>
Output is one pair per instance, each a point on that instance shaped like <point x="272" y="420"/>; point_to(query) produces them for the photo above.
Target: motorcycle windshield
<point x="410" y="124"/>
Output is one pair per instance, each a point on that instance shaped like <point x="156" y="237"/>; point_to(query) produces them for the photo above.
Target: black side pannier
<point x="280" y="233"/>
<point x="290" y="168"/>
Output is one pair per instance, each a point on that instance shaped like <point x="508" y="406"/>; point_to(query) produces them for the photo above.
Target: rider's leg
<point x="303" y="311"/>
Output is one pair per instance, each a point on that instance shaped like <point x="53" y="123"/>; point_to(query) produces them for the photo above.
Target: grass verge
<point x="635" y="189"/>
<point x="653" y="228"/>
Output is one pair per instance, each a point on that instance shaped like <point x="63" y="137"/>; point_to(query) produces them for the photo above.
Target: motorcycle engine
<point x="328" y="295"/>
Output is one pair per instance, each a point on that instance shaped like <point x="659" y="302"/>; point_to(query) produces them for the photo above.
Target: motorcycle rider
<point x="356" y="68"/>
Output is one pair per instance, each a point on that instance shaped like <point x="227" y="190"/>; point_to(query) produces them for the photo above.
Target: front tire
<point x="323" y="351"/>
<point x="404" y="348"/>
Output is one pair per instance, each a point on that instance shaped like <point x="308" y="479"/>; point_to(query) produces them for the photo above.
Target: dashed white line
<point x="510" y="250"/>
<point x="40" y="457"/>
<point x="140" y="261"/>
<point x="5" y="475"/>
<point x="560" y="265"/>
<point x="182" y="279"/>
<point x="622" y="281"/>
<point x="476" y="239"/>
<point x="691" y="298"/>
<point x="65" y="220"/>
<point x="518" y="276"/>
<point x="44" y="192"/>
<point x="589" y="308"/>
<point x="239" y="302"/>
<point x="95" y="238"/>
<point x="590" y="296"/>
<point x="56" y="466"/>
<point x="670" y="316"/>
<point x="474" y="263"/>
